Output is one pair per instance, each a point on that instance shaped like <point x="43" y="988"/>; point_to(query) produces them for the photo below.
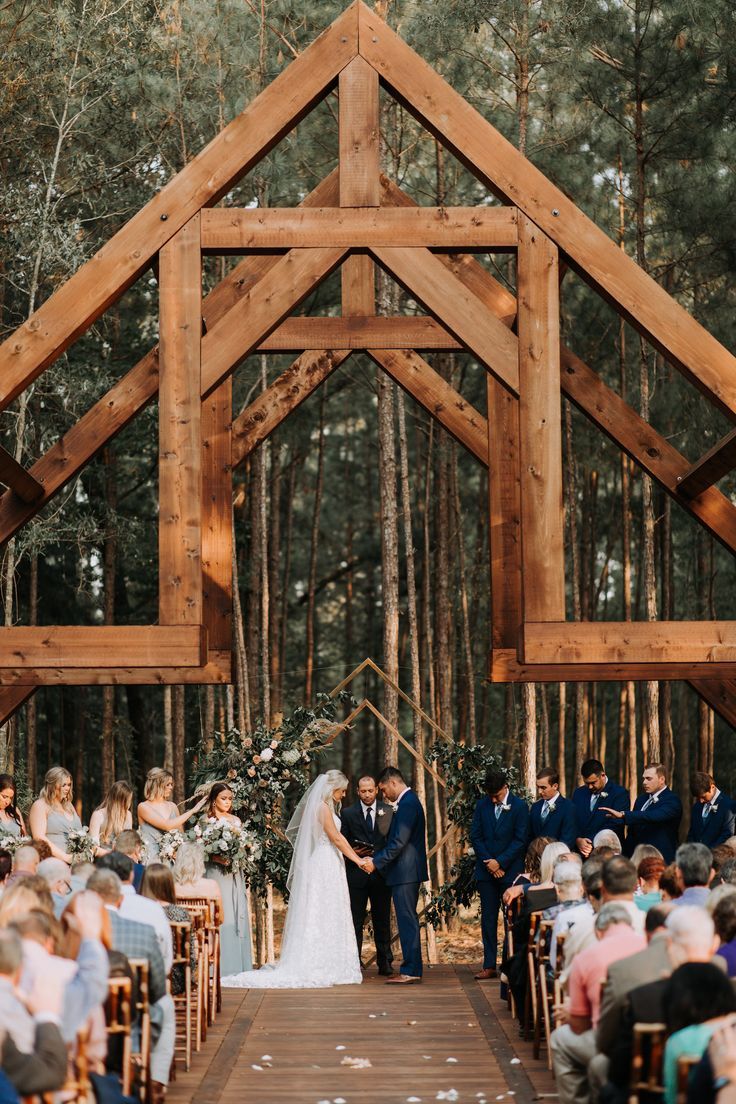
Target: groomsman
<point x="552" y="815"/>
<point x="498" y="834"/>
<point x="712" y="817"/>
<point x="655" y="818"/>
<point x="403" y="863"/>
<point x="365" y="826"/>
<point x="598" y="790"/>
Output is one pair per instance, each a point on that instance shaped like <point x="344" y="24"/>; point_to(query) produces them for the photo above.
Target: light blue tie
<point x="646" y="804"/>
<point x="593" y="801"/>
<point x="498" y="811"/>
<point x="706" y="809"/>
<point x="545" y="811"/>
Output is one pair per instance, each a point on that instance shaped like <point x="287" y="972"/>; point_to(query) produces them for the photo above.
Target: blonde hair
<point x="549" y="857"/>
<point x="188" y="864"/>
<point x="51" y="789"/>
<point x="156" y="781"/>
<point x="116" y="806"/>
<point x="336" y="780"/>
<point x="18" y="900"/>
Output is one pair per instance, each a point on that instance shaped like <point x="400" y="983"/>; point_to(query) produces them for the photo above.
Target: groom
<point x="403" y="863"/>
<point x="365" y="826"/>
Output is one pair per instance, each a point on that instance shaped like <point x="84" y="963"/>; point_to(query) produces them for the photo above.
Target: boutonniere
<point x="381" y="812"/>
<point x="505" y="808"/>
<point x="603" y="793"/>
<point x="714" y="808"/>
<point x="655" y="800"/>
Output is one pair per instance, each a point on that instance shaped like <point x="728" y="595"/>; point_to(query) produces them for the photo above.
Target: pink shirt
<point x="589" y="968"/>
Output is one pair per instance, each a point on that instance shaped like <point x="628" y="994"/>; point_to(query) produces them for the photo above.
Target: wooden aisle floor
<point x="288" y="1046"/>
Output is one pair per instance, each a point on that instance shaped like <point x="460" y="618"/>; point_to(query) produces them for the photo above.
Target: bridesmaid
<point x="235" y="938"/>
<point x="113" y="815"/>
<point x="11" y="821"/>
<point x="52" y="815"/>
<point x="158" y="814"/>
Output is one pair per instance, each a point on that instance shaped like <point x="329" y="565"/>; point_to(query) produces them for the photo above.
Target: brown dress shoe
<point x="403" y="979"/>
<point x="486" y="974"/>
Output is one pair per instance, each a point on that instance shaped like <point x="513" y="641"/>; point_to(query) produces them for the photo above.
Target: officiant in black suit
<point x="365" y="825"/>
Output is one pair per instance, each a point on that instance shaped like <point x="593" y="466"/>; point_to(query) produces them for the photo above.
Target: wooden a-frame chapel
<point x="354" y="219"/>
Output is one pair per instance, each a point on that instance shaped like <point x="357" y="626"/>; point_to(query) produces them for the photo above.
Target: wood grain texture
<point x="180" y="431"/>
<point x="237" y="230"/>
<point x="217" y="517"/>
<point x="18" y="479"/>
<point x="515" y="180"/>
<point x="505" y="667"/>
<point x="504" y="503"/>
<point x="443" y="402"/>
<point x="540" y="427"/>
<point x="208" y="177"/>
<point x="217" y="670"/>
<point x="717" y="462"/>
<point x="359" y="149"/>
<point x="647" y="642"/>
<point x="12" y="698"/>
<point x="98" y="645"/>
<point x="401" y="331"/>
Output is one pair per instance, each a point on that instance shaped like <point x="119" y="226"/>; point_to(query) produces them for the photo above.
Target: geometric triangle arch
<point x="354" y="220"/>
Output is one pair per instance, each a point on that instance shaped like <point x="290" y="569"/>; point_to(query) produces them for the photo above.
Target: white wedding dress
<point x="318" y="948"/>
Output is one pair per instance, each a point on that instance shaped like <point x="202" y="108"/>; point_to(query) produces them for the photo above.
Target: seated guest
<point x="189" y="876"/>
<point x="19" y="899"/>
<point x="670" y="885"/>
<point x="567" y="878"/>
<point x="552" y="815"/>
<point x="712" y="820"/>
<point x="579" y="922"/>
<point x="498" y="834"/>
<point x="543" y="891"/>
<point x="598" y="790"/>
<point x="724" y="918"/>
<point x="698" y="998"/>
<point x="531" y="874"/>
<point x="137" y="940"/>
<point x="618" y="882"/>
<point x="645" y="851"/>
<point x="714" y="1079"/>
<point x="691" y="938"/>
<point x="136" y="907"/>
<point x="56" y="874"/>
<point x="538" y="897"/>
<point x="158" y="884"/>
<point x="81" y="873"/>
<point x="607" y="838"/>
<point x="694" y="872"/>
<point x="43" y="849"/>
<point x="33" y="1055"/>
<point x="656" y="816"/>
<point x="130" y="843"/>
<point x="720" y="855"/>
<point x="649" y="894"/>
<point x="572" y="1044"/>
<point x="25" y="862"/>
<point x="728" y="872"/>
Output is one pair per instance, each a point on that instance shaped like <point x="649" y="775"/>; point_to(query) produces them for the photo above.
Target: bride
<point x="318" y="948"/>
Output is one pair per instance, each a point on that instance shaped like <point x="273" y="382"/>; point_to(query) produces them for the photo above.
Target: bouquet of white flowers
<point x="82" y="845"/>
<point x="169" y="845"/>
<point x="226" y="844"/>
<point x="12" y="843"/>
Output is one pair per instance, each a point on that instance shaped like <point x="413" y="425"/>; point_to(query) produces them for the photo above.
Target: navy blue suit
<point x="403" y="863"/>
<point x="561" y="824"/>
<point x="502" y="838"/>
<point x="658" y="825"/>
<point x="716" y="827"/>
<point x="590" y="823"/>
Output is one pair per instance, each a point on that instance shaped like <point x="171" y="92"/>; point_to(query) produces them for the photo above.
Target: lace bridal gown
<point x="318" y="948"/>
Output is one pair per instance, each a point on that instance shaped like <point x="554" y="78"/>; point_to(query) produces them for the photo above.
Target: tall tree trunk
<point x="274" y="584"/>
<point x="389" y="553"/>
<point x="465" y="615"/>
<point x="242" y="679"/>
<point x="528" y="764"/>
<point x="168" y="698"/>
<point x="313" y="554"/>
<point x="572" y="523"/>
<point x="286" y="578"/>
<point x="179" y="744"/>
<point x="264" y="453"/>
<point x="108" y="583"/>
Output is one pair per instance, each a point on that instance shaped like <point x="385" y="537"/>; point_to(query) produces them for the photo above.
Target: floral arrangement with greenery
<point x="464" y="767"/>
<point x="12" y="843"/>
<point x="82" y="845"/>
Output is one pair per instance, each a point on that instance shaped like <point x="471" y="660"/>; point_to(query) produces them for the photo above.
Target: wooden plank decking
<point x="407" y="1034"/>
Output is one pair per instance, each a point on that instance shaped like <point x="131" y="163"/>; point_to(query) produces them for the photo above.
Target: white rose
<point x="267" y="754"/>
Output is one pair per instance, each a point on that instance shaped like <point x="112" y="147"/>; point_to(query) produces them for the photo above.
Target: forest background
<point x="361" y="527"/>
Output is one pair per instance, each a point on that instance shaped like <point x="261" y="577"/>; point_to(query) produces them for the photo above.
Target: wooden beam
<point x="11" y="699"/>
<point x="216" y="671"/>
<point x="504" y="500"/>
<point x="540" y="428"/>
<point x="431" y="391"/>
<point x="258" y="421"/>
<point x="204" y="181"/>
<point x="719" y="695"/>
<point x="717" y="462"/>
<point x="429" y="281"/>
<point x="64" y="460"/>
<point x="515" y="180"/>
<point x="359" y="147"/>
<point x="238" y="230"/>
<point x="399" y="331"/>
<point x="261" y="309"/>
<point x="117" y="645"/>
<point x="14" y="476"/>
<point x="643" y="642"/>
<point x="217" y="517"/>
<point x="180" y="437"/>
<point x="505" y="667"/>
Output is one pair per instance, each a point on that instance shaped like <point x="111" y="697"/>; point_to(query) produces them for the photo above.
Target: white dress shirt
<point x="369" y="809"/>
<point x="146" y="911"/>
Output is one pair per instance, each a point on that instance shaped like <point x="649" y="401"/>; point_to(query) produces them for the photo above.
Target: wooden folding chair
<point x="557" y="973"/>
<point x="542" y="1019"/>
<point x="530" y="1001"/>
<point x="685" y="1065"/>
<point x="510" y="916"/>
<point x="142" y="1056"/>
<point x="199" y="913"/>
<point x="647" y="1060"/>
<point x="181" y="938"/>
<point x="212" y="910"/>
<point x="118" y="1016"/>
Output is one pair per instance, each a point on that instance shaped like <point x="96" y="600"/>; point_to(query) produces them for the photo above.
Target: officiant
<point x="365" y="825"/>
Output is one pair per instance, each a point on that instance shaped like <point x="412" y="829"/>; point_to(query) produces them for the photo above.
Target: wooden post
<point x="180" y="445"/>
<point x="540" y="428"/>
<point x="504" y="515"/>
<point x="359" y="174"/>
<point x="217" y="529"/>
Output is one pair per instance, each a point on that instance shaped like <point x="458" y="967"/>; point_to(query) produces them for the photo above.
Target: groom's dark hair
<point x="391" y="772"/>
<point x="495" y="780"/>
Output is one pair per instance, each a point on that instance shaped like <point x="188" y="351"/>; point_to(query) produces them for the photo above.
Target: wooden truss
<point x="354" y="219"/>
